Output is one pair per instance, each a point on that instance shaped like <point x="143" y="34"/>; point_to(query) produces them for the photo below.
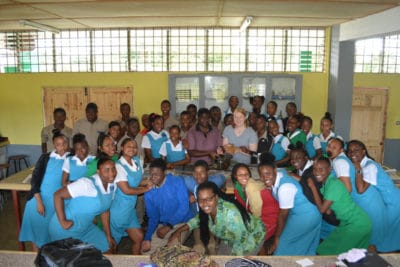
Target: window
<point x="378" y="55"/>
<point x="165" y="49"/>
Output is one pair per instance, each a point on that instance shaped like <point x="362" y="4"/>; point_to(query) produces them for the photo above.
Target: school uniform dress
<point x="374" y="174"/>
<point x="92" y="165"/>
<point x="230" y="228"/>
<point x="354" y="230"/>
<point x="324" y="141"/>
<point x="247" y="137"/>
<point x="153" y="141"/>
<point x="280" y="146"/>
<point x="89" y="199"/>
<point x="35" y="226"/>
<point x="297" y="136"/>
<point x="301" y="232"/>
<point x="313" y="143"/>
<point x="75" y="167"/>
<point x="370" y="201"/>
<point x="123" y="212"/>
<point x="277" y="119"/>
<point x="171" y="152"/>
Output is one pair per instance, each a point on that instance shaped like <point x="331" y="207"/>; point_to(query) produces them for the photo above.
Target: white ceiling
<point x="71" y="14"/>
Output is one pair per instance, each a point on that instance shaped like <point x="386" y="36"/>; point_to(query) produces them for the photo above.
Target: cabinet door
<point x="72" y="99"/>
<point x="108" y="100"/>
<point x="368" y="119"/>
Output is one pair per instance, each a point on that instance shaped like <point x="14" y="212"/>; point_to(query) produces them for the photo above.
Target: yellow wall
<point x="391" y="81"/>
<point x="21" y="115"/>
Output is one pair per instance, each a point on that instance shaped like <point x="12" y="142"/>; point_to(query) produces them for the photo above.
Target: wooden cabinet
<point x="368" y="119"/>
<point x="75" y="99"/>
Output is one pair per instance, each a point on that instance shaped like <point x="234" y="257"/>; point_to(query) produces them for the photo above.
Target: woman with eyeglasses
<point x="241" y="233"/>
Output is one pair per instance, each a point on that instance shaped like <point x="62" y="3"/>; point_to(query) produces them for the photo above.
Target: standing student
<point x="75" y="165"/>
<point x="173" y="150"/>
<point x="265" y="139"/>
<point x="106" y="149"/>
<point x="313" y="143"/>
<point x="295" y="134"/>
<point x="146" y="124"/>
<point x="299" y="221"/>
<point x="280" y="144"/>
<point x="354" y="230"/>
<point x="184" y="124"/>
<point x="241" y="233"/>
<point x="326" y="134"/>
<point x="114" y="130"/>
<point x="192" y="109"/>
<point x="369" y="200"/>
<point x="125" y="110"/>
<point x="270" y="113"/>
<point x="59" y="116"/>
<point x="369" y="173"/>
<point x="168" y="119"/>
<point x="233" y="103"/>
<point x="46" y="179"/>
<point x="152" y="141"/>
<point x="123" y="217"/>
<point x="133" y="132"/>
<point x="216" y="116"/>
<point x="257" y="102"/>
<point x="88" y="197"/>
<point x="91" y="127"/>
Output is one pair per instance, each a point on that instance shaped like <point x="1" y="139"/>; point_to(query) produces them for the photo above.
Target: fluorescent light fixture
<point x="246" y="22"/>
<point x="39" y="26"/>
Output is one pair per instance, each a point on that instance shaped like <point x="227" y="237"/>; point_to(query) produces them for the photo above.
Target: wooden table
<point x="15" y="183"/>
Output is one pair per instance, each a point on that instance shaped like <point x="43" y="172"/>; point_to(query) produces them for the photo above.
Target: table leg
<point x="17" y="214"/>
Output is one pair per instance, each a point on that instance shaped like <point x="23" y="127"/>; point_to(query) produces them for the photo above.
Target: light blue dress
<point x="277" y="150"/>
<point x="301" y="233"/>
<point x="174" y="156"/>
<point x="35" y="226"/>
<point x="82" y="210"/>
<point x="156" y="144"/>
<point x="391" y="197"/>
<point x="123" y="212"/>
<point x="76" y="168"/>
<point x="370" y="201"/>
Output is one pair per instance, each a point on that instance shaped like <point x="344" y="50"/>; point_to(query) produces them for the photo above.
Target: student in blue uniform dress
<point x="75" y="165"/>
<point x="370" y="200"/>
<point x="173" y="150"/>
<point x="326" y="127"/>
<point x="46" y="179"/>
<point x="280" y="144"/>
<point x="123" y="217"/>
<point x="299" y="221"/>
<point x="152" y="141"/>
<point x="87" y="197"/>
<point x="313" y="144"/>
<point x="369" y="173"/>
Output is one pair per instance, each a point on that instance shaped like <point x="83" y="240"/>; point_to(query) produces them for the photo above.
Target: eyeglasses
<point x="206" y="200"/>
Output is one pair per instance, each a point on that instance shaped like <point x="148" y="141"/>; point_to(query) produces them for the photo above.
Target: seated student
<point x="114" y="130"/>
<point x="95" y="195"/>
<point x="241" y="233"/>
<point x="152" y="141"/>
<point x="168" y="119"/>
<point x="295" y="134"/>
<point x="299" y="221"/>
<point x="326" y="134"/>
<point x="59" y="116"/>
<point x="133" y="132"/>
<point x="200" y="175"/>
<point x="75" y="165"/>
<point x="123" y="216"/>
<point x="313" y="144"/>
<point x="105" y="149"/>
<point x="270" y="113"/>
<point x="173" y="150"/>
<point x="125" y="110"/>
<point x="265" y="139"/>
<point x="369" y="173"/>
<point x="280" y="144"/>
<point x="354" y="230"/>
<point x="167" y="205"/>
<point x="369" y="200"/>
<point x="46" y="179"/>
<point x="256" y="199"/>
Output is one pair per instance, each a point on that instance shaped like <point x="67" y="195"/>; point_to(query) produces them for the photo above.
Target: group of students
<point x="328" y="198"/>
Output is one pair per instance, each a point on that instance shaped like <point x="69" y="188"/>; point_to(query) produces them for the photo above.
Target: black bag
<point x="70" y="252"/>
<point x="245" y="262"/>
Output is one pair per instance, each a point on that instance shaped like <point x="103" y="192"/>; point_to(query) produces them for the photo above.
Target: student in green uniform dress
<point x="354" y="230"/>
<point x="105" y="148"/>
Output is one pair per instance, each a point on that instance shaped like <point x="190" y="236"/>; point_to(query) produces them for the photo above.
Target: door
<point x="72" y="99"/>
<point x="75" y="99"/>
<point x="368" y="119"/>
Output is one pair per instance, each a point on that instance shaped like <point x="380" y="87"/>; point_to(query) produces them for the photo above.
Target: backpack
<point x="180" y="256"/>
<point x="70" y="252"/>
<point x="245" y="262"/>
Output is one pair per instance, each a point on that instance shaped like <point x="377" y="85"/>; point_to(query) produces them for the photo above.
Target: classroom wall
<point x="21" y="97"/>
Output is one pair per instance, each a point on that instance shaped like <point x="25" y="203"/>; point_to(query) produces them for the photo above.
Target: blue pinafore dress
<point x="156" y="144"/>
<point x="35" y="226"/>
<point x="277" y="149"/>
<point x="78" y="170"/>
<point x="174" y="156"/>
<point x="301" y="233"/>
<point x="310" y="147"/>
<point x="82" y="210"/>
<point x="123" y="212"/>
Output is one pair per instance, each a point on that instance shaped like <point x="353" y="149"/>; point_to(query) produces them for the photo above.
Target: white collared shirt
<point x="286" y="192"/>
